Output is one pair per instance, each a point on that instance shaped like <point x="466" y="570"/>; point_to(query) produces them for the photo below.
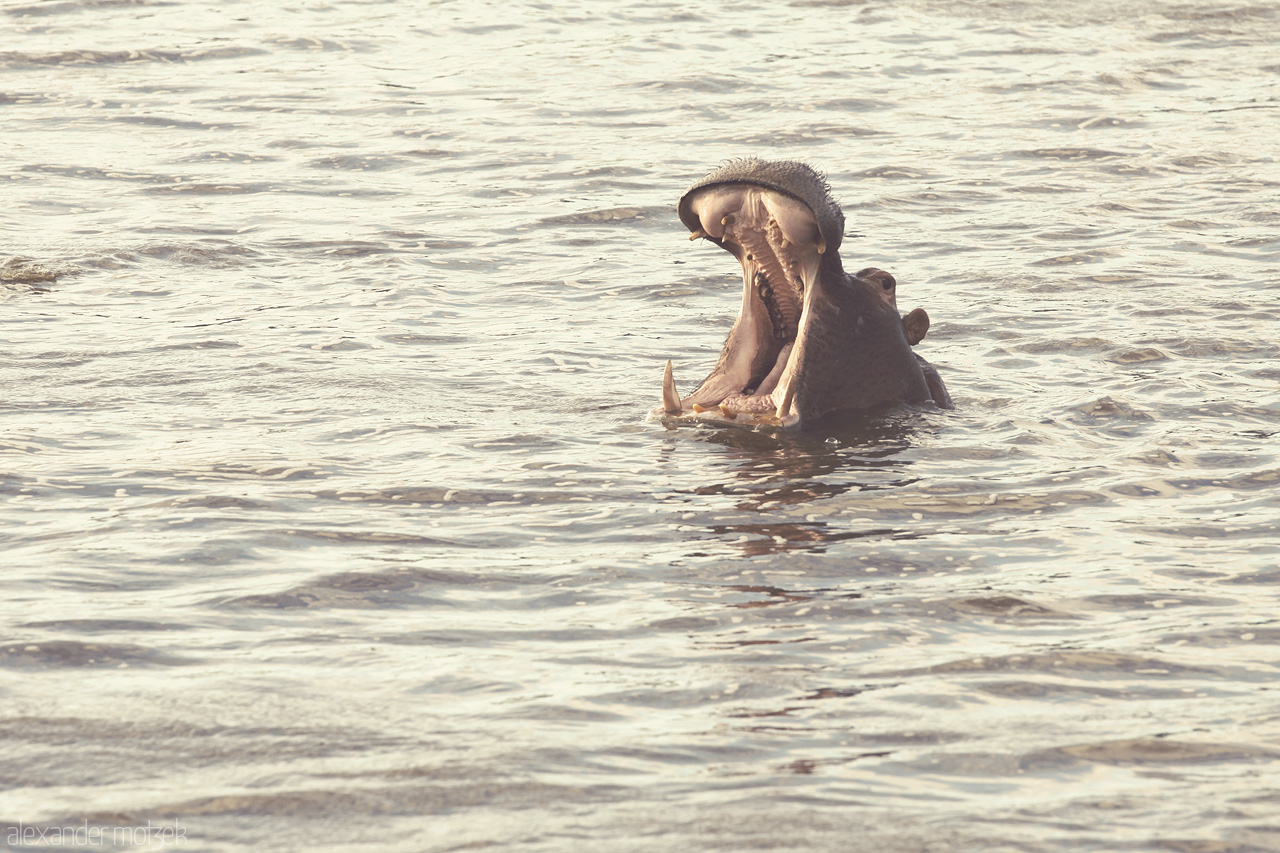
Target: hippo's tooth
<point x="727" y="219"/>
<point x="670" y="399"/>
<point x="822" y="246"/>
<point x="700" y="408"/>
<point x="784" y="407"/>
<point x="697" y="234"/>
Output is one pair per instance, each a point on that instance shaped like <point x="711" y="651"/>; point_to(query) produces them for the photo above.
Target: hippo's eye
<point x="888" y="282"/>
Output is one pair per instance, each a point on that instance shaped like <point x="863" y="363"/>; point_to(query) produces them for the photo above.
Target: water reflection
<point x="774" y="475"/>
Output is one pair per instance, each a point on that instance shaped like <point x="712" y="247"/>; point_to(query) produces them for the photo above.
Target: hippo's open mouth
<point x="809" y="338"/>
<point x="777" y="240"/>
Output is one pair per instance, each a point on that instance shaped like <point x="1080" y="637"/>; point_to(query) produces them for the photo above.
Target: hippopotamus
<point x="810" y="339"/>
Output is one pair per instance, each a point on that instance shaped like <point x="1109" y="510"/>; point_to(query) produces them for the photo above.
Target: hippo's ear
<point x="916" y="326"/>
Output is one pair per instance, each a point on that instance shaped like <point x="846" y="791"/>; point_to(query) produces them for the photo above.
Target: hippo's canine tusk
<point x="670" y="399"/>
<point x="784" y="407"/>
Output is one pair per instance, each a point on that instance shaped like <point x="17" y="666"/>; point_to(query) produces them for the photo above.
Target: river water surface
<point x="332" y="518"/>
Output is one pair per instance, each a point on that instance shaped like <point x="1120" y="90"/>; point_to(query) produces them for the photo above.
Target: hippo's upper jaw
<point x="809" y="338"/>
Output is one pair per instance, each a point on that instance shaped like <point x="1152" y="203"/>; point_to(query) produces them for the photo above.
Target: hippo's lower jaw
<point x="809" y="339"/>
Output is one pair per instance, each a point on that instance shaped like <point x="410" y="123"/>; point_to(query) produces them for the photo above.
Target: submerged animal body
<point x="810" y="339"/>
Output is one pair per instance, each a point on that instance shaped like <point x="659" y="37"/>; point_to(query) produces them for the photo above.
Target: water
<point x="332" y="518"/>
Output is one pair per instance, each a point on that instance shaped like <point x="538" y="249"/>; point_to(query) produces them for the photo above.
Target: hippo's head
<point x="809" y="339"/>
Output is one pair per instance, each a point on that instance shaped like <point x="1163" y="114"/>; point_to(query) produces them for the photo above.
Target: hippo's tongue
<point x="777" y="240"/>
